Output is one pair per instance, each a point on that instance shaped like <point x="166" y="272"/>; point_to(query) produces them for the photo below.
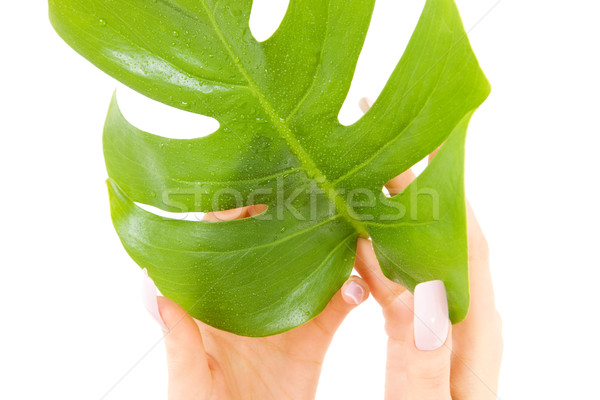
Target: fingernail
<point x="431" y="315"/>
<point x="354" y="292"/>
<point x="150" y="300"/>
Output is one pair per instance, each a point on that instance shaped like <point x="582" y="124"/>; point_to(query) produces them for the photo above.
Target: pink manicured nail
<point x="431" y="315"/>
<point x="354" y="292"/>
<point x="150" y="300"/>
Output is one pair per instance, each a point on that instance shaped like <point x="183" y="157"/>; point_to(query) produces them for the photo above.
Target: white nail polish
<point x="354" y="292"/>
<point x="431" y="315"/>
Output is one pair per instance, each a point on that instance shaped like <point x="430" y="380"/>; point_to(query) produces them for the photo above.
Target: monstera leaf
<point x="280" y="143"/>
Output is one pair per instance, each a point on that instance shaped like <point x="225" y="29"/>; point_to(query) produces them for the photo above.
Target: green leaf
<point x="280" y="143"/>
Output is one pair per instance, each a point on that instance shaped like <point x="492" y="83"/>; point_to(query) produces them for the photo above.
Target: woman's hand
<point x="206" y="363"/>
<point x="427" y="357"/>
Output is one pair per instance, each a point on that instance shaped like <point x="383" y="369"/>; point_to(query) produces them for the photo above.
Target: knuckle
<point x="433" y="375"/>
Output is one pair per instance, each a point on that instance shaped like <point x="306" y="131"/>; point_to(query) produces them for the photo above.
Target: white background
<point x="72" y="323"/>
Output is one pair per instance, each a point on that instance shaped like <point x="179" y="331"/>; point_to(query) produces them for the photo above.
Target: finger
<point x="354" y="292"/>
<point x="420" y="345"/>
<point x="384" y="290"/>
<point x="480" y="277"/>
<point x="398" y="184"/>
<point x="226" y="215"/>
<point x="478" y="343"/>
<point x="481" y="289"/>
<point x="365" y="104"/>
<point x="433" y="154"/>
<point x="189" y="373"/>
<point x="478" y="339"/>
<point x="234" y="213"/>
<point x="256" y="209"/>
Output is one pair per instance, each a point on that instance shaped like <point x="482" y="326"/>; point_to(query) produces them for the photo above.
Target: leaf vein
<point x="395" y="138"/>
<point x="268" y="244"/>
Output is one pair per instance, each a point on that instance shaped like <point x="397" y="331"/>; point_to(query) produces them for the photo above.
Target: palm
<point x="207" y="363"/>
<point x="283" y="366"/>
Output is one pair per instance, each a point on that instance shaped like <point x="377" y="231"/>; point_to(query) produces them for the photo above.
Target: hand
<point x="206" y="363"/>
<point x="437" y="361"/>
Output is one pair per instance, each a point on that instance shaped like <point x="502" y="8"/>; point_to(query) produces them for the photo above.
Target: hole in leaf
<point x="225" y="215"/>
<point x="386" y="192"/>
<point x="266" y="16"/>
<point x="419" y="167"/>
<point x="160" y="119"/>
<point x="236" y="213"/>
<point x="182" y="216"/>
<point x="391" y="27"/>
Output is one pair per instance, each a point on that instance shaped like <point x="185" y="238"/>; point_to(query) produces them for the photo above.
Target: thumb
<point x="189" y="373"/>
<point x="351" y="294"/>
<point x="419" y="346"/>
